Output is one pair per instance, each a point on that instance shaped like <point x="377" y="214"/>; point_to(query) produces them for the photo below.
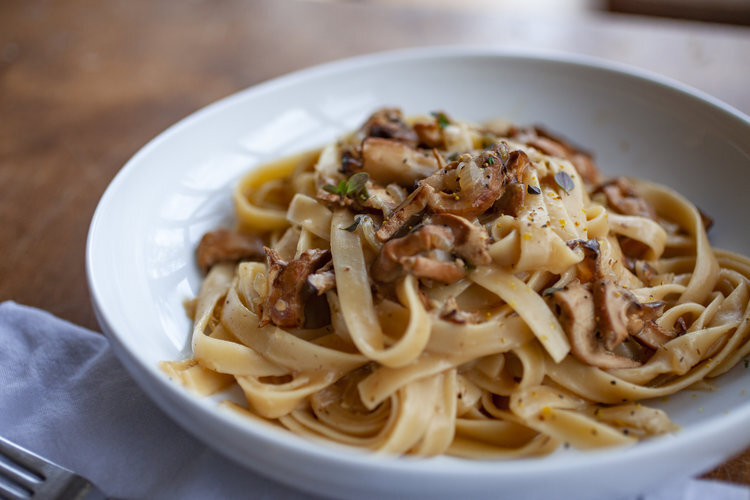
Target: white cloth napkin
<point x="66" y="397"/>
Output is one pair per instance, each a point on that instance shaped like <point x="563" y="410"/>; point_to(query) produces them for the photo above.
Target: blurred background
<point x="719" y="11"/>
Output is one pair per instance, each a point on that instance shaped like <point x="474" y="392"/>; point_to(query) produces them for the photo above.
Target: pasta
<point x="430" y="286"/>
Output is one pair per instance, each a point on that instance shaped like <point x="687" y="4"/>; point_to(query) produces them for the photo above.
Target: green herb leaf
<point x="564" y="181"/>
<point x="442" y="120"/>
<point x="357" y="182"/>
<point x="353" y="227"/>
<point x="747" y="362"/>
<point x="354" y="186"/>
<point x="330" y="188"/>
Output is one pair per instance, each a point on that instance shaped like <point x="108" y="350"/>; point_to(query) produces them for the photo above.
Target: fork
<point x="25" y="475"/>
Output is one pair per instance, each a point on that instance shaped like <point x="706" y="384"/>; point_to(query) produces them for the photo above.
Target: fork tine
<point x="31" y="476"/>
<point x="20" y="456"/>
<point x="11" y="491"/>
<point x="20" y="478"/>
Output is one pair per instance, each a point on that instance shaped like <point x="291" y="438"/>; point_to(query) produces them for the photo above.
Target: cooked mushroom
<point x="577" y="307"/>
<point x="546" y="143"/>
<point x="437" y="250"/>
<point x="430" y="134"/>
<point x="654" y="336"/>
<point x="622" y="196"/>
<point x="632" y="248"/>
<point x="588" y="268"/>
<point x="288" y="285"/>
<point x="650" y="334"/>
<point x="618" y="312"/>
<point x="481" y="179"/>
<point x="643" y="270"/>
<point x="450" y="311"/>
<point x="351" y="160"/>
<point x="334" y="199"/>
<point x="467" y="187"/>
<point x="621" y="315"/>
<point x="390" y="161"/>
<point x="380" y="199"/>
<point x="425" y="253"/>
<point x="512" y="199"/>
<point x="224" y="245"/>
<point x="323" y="279"/>
<point x="388" y="123"/>
<point x="471" y="240"/>
<point x="411" y="206"/>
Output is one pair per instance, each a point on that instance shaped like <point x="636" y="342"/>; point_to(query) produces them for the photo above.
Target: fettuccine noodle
<point x="429" y="286"/>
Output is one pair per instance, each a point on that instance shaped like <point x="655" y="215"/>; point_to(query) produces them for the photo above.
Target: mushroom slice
<point x="471" y="240"/>
<point x="576" y="308"/>
<point x="414" y="204"/>
<point x="650" y="334"/>
<point x="379" y="199"/>
<point x="289" y="290"/>
<point x="481" y="180"/>
<point x="435" y="266"/>
<point x="554" y="146"/>
<point x="619" y="312"/>
<point x="467" y="187"/>
<point x="449" y="311"/>
<point x="323" y="279"/>
<point x="390" y="161"/>
<point x="389" y="123"/>
<point x="224" y="245"/>
<point x="351" y="160"/>
<point x="425" y="253"/>
<point x="430" y="134"/>
<point x="622" y="196"/>
<point x="620" y="315"/>
<point x="653" y="336"/>
<point x="512" y="199"/>
<point x="588" y="268"/>
<point x="633" y="249"/>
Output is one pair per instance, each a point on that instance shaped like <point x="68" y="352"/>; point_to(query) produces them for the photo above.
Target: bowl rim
<point x="696" y="434"/>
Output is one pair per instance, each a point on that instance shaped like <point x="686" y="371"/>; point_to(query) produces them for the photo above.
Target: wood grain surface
<point x="85" y="83"/>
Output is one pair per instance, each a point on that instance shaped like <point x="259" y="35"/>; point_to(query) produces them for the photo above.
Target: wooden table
<point x="85" y="83"/>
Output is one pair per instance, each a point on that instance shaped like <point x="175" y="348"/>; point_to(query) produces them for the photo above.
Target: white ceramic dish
<point x="140" y="249"/>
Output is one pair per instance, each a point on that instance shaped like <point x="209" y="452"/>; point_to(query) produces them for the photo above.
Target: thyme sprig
<point x="353" y="187"/>
<point x="442" y="119"/>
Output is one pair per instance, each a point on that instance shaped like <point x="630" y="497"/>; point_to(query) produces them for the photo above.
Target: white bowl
<point x="140" y="254"/>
